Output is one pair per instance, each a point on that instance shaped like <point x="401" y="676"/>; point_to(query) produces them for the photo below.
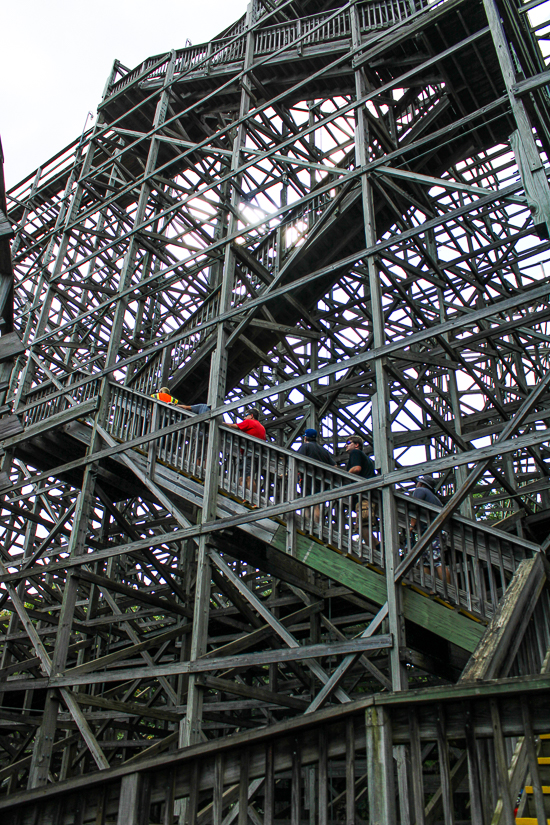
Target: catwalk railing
<point x="316" y="30"/>
<point x="469" y="564"/>
<point x="455" y="750"/>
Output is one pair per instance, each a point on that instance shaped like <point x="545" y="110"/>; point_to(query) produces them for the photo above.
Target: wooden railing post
<point x="380" y="767"/>
<point x="291" y="516"/>
<point x="129" y="806"/>
<point x="153" y="445"/>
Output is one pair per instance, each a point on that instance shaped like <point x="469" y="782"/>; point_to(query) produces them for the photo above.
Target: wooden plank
<point x="416" y="769"/>
<point x="262" y="694"/>
<point x="505" y="631"/>
<point x="323" y="778"/>
<point x="10" y="346"/>
<point x="170" y="606"/>
<point x="535" y="687"/>
<point x="119" y="655"/>
<point x="129" y="804"/>
<point x="444" y="768"/>
<point x="474" y="780"/>
<point x="350" y="773"/>
<point x="243" y="788"/>
<point x="10" y="425"/>
<point x="132" y="708"/>
<point x="432" y="615"/>
<point x="168" y="814"/>
<point x="269" y="797"/>
<point x="193" y="800"/>
<point x="501" y="764"/>
<point x="295" y="654"/>
<point x="217" y="791"/>
<point x="266" y="614"/>
<point x="296" y="784"/>
<point x="256" y="636"/>
<point x="380" y="767"/>
<point x="6" y="229"/>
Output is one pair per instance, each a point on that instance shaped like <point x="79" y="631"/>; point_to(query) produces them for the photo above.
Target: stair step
<point x="545" y="789"/>
<point x="528" y="820"/>
<point x="544" y="760"/>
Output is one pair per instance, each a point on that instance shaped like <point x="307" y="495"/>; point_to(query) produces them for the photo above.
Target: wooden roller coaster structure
<point x="337" y="214"/>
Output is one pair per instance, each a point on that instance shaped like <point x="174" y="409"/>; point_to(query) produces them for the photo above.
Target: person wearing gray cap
<point x="424" y="491"/>
<point x="311" y="449"/>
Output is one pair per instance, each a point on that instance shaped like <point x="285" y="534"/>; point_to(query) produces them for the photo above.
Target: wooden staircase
<point x="527" y="813"/>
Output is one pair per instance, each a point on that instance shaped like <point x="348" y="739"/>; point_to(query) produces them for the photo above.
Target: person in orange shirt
<point x="164" y="395"/>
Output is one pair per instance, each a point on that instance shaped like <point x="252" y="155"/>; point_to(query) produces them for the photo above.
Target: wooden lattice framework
<point x="337" y="213"/>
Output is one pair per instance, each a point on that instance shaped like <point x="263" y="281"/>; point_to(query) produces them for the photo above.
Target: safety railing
<point x="445" y="754"/>
<point x="273" y="38"/>
<point x="466" y="563"/>
<point x="148" y="376"/>
<point x="469" y="564"/>
<point x="44" y="401"/>
<point x="309" y="31"/>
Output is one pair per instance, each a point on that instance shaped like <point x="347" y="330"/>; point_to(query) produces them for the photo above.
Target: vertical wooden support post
<point x="311" y="787"/>
<point x="42" y="752"/>
<point x="350" y="773"/>
<point x="476" y="793"/>
<point x="291" y="517"/>
<point x="153" y="445"/>
<point x="416" y="769"/>
<point x="269" y="798"/>
<point x="217" y="796"/>
<point x="380" y="767"/>
<point x="190" y="729"/>
<point x="502" y="765"/>
<point x="296" y="786"/>
<point x="444" y="768"/>
<point x="381" y="419"/>
<point x="243" y="788"/>
<point x="101" y="806"/>
<point x="132" y="251"/>
<point x="193" y="804"/>
<point x="522" y="141"/>
<point x="323" y="778"/>
<point x="168" y="816"/>
<point x="129" y="806"/>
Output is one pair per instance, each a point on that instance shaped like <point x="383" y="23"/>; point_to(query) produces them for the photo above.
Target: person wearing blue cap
<point x="311" y="449"/>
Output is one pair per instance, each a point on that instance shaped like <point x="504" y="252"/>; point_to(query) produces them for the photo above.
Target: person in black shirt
<point x="358" y="462"/>
<point x="311" y="449"/>
<point x="361" y="465"/>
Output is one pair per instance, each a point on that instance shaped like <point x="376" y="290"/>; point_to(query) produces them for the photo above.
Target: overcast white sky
<point x="57" y="54"/>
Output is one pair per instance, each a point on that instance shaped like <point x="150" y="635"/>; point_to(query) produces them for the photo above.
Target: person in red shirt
<point x="251" y="426"/>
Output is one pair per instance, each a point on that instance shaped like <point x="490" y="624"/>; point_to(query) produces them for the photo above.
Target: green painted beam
<point x="449" y="623"/>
